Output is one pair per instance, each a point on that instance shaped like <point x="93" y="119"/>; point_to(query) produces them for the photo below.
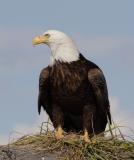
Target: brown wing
<point x="99" y="86"/>
<point x="43" y="97"/>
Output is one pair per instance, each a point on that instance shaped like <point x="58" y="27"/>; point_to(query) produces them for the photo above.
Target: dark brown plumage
<point x="75" y="96"/>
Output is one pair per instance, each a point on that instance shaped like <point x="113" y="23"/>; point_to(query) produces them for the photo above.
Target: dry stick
<point x="48" y="124"/>
<point x="98" y="156"/>
<point x="119" y="130"/>
<point x="114" y="126"/>
<point x="41" y="128"/>
<point x="47" y="127"/>
<point x="132" y="139"/>
<point x="129" y="129"/>
<point x="110" y="129"/>
<point x="104" y="153"/>
<point x="121" y="133"/>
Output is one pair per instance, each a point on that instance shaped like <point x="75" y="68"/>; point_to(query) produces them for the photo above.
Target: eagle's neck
<point x="63" y="52"/>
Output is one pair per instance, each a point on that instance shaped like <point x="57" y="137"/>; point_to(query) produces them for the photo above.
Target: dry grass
<point x="71" y="147"/>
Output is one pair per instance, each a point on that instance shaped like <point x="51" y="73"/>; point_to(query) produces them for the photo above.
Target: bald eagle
<point x="72" y="89"/>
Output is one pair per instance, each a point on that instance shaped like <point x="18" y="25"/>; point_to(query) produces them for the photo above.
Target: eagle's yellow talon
<point x="58" y="136"/>
<point x="87" y="140"/>
<point x="85" y="137"/>
<point x="59" y="133"/>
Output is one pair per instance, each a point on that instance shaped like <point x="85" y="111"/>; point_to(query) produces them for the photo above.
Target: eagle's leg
<point x="57" y="115"/>
<point x="88" y="113"/>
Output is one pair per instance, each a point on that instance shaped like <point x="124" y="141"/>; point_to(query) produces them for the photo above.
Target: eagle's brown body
<point x="75" y="96"/>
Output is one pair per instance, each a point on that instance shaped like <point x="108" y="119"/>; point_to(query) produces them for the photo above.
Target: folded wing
<point x="98" y="84"/>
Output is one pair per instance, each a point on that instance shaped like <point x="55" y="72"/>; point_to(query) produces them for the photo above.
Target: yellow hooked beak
<point x="40" y="39"/>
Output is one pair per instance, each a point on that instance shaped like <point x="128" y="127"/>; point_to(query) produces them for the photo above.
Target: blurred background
<point x="103" y="32"/>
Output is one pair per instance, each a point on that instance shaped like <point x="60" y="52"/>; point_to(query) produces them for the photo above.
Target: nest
<point x="72" y="147"/>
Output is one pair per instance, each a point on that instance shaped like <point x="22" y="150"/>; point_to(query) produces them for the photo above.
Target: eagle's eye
<point x="47" y="35"/>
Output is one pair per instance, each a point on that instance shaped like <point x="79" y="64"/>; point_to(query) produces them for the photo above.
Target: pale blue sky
<point x="103" y="31"/>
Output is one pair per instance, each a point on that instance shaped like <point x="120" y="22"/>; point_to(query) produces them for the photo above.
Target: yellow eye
<point x="47" y="35"/>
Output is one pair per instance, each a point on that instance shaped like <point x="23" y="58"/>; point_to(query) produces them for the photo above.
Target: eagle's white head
<point x="62" y="47"/>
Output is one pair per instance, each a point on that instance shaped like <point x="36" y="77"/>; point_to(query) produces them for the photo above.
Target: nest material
<point x="71" y="147"/>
